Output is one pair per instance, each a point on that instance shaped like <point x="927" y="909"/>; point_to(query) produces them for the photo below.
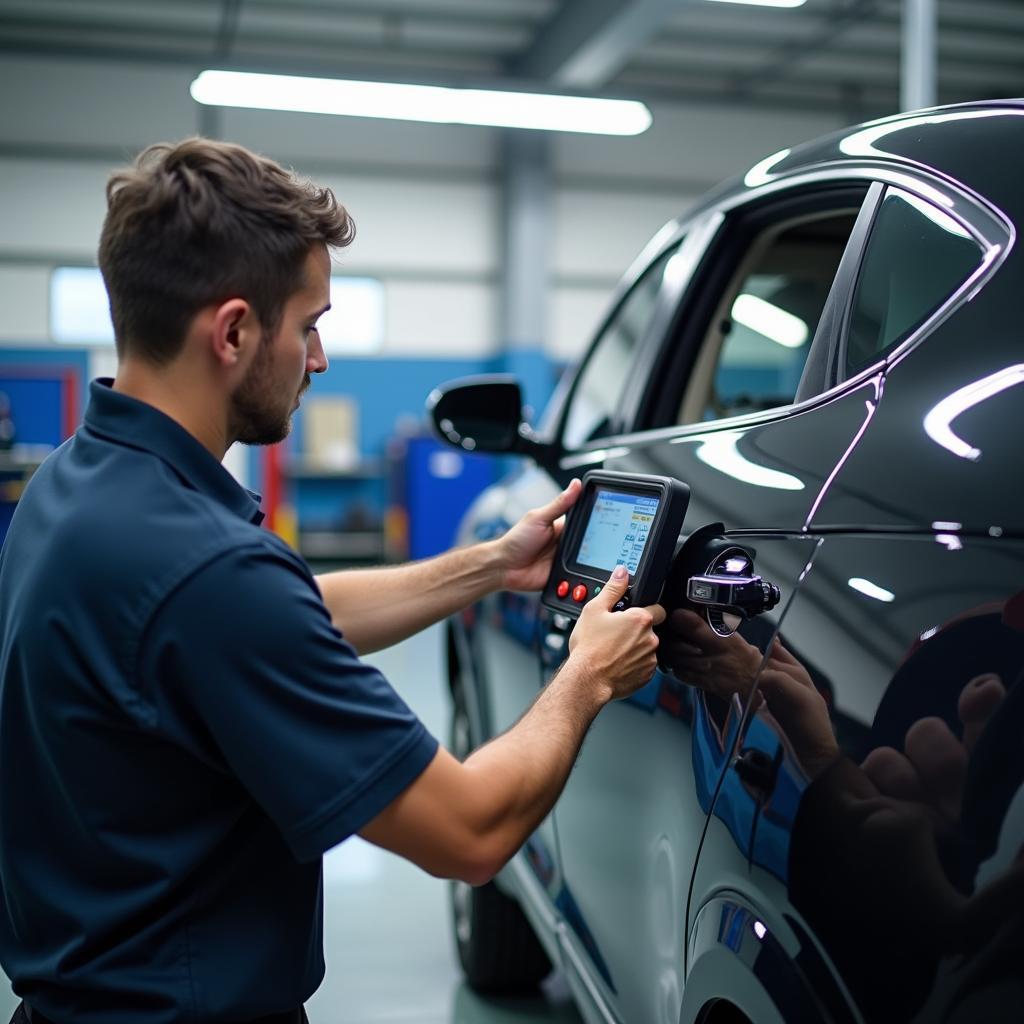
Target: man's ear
<point x="234" y="332"/>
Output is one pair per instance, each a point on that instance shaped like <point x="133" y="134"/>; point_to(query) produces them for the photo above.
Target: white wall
<point x="425" y="198"/>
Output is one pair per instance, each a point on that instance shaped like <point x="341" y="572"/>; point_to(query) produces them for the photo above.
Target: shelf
<point x="312" y="469"/>
<point x="341" y="544"/>
<point x="23" y="458"/>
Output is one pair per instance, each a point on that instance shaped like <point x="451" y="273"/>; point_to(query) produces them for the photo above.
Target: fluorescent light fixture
<point x="720" y="451"/>
<point x="431" y="103"/>
<point x="938" y="424"/>
<point x="869" y="589"/>
<point x="763" y="3"/>
<point x="768" y="319"/>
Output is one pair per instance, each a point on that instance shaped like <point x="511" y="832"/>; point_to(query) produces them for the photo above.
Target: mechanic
<point x="184" y="731"/>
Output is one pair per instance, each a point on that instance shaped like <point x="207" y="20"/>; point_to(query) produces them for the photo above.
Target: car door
<point x="630" y="819"/>
<point x="862" y="857"/>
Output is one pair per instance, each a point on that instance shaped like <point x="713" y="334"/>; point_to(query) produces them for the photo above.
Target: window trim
<point x="833" y="322"/>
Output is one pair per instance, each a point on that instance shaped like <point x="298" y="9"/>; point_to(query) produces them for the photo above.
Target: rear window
<point x="916" y="258"/>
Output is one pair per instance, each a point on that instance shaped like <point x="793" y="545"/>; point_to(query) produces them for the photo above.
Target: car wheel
<point x="497" y="948"/>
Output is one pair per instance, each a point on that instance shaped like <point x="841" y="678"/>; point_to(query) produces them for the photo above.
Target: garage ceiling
<point x="829" y="55"/>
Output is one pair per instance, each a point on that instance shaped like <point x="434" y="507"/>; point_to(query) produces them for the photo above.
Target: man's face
<point x="263" y="404"/>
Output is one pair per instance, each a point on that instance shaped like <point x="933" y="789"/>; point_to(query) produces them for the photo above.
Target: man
<point x="183" y="729"/>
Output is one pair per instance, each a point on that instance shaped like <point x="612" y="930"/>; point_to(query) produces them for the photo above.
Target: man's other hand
<point x="526" y="551"/>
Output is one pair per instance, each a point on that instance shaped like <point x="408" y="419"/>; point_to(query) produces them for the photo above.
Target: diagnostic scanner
<point x="626" y="519"/>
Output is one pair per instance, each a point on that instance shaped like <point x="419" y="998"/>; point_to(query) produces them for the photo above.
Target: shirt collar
<point x="128" y="421"/>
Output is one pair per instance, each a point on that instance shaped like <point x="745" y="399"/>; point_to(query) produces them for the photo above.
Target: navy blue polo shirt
<point x="183" y="733"/>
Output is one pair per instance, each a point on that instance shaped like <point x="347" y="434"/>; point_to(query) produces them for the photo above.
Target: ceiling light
<point x="434" y="104"/>
<point x="769" y="320"/>
<point x="763" y="3"/>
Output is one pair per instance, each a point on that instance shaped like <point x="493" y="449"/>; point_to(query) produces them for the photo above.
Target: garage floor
<point x="388" y="939"/>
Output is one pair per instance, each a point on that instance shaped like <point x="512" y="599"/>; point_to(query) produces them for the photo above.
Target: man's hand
<point x="618" y="650"/>
<point x="525" y="552"/>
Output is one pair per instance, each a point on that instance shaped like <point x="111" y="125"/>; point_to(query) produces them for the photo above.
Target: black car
<point x="817" y="812"/>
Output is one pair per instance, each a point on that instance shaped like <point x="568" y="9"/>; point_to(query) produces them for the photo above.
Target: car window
<point x="915" y="258"/>
<point x="754" y="349"/>
<point x="598" y="391"/>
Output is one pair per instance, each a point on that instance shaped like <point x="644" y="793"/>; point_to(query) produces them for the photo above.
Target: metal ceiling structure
<point x="828" y="55"/>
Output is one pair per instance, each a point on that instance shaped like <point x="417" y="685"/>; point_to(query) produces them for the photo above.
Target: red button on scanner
<point x="579" y="592"/>
<point x="562" y="589"/>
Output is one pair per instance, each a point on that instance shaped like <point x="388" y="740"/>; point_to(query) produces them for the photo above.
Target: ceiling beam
<point x="587" y="42"/>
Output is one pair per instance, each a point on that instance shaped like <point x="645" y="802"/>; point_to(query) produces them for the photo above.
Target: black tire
<point x="497" y="948"/>
<point x="498" y="951"/>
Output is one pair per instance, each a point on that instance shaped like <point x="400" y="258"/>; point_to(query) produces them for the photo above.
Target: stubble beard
<point x="258" y="416"/>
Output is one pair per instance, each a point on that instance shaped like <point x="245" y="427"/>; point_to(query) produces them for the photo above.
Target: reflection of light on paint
<point x="720" y="452"/>
<point x="943" y="525"/>
<point x="937" y="217"/>
<point x="769" y="320"/>
<point x="735" y="565"/>
<point x="929" y="633"/>
<point x="862" y="143"/>
<point x="938" y="424"/>
<point x="869" y="589"/>
<point x="759" y="930"/>
<point x="596" y="456"/>
<point x="758" y="174"/>
<point x="950" y="540"/>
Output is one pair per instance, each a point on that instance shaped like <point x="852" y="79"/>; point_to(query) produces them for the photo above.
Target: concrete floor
<point x="389" y="949"/>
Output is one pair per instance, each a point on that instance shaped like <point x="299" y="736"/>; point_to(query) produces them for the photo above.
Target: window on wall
<point x="80" y="312"/>
<point x="354" y="325"/>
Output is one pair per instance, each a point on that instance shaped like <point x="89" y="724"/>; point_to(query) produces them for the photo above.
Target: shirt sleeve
<point x="244" y="652"/>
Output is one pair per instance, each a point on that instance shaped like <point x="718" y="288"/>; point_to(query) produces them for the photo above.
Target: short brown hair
<point x="198" y="222"/>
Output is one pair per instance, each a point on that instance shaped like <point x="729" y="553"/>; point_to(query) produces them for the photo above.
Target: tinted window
<point x="599" y="389"/>
<point x="916" y="258"/>
<point x="755" y="348"/>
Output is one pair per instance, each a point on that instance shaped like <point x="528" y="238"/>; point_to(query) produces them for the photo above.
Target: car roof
<point x="979" y="145"/>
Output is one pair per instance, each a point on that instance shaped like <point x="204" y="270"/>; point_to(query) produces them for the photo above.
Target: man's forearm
<point x="466" y="820"/>
<point x="375" y="608"/>
<point x="523" y="772"/>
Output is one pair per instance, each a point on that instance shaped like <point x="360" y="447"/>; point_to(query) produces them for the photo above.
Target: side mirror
<point x="483" y="414"/>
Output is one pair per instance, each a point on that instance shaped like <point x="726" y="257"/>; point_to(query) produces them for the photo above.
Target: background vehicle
<point x="828" y="352"/>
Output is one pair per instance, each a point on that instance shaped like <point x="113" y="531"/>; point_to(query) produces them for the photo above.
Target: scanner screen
<point x="617" y="530"/>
